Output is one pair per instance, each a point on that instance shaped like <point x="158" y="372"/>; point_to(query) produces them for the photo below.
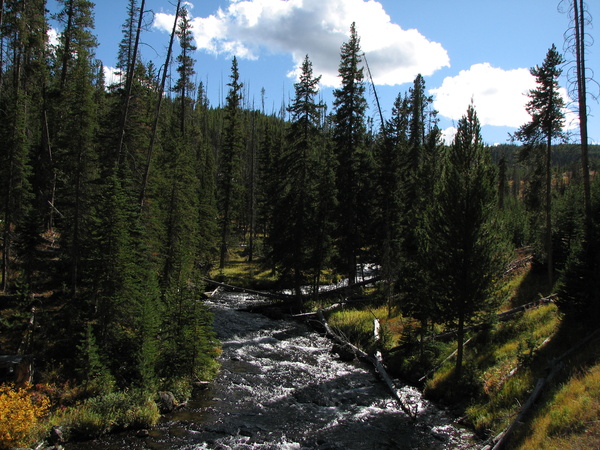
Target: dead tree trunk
<point x="161" y="90"/>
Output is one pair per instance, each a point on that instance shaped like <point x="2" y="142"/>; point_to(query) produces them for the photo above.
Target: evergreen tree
<point x="184" y="85"/>
<point x="74" y="125"/>
<point x="547" y="120"/>
<point x="462" y="249"/>
<point x="24" y="34"/>
<point x="293" y="237"/>
<point x="230" y="160"/>
<point x="353" y="156"/>
<point x="126" y="289"/>
<point x="388" y="231"/>
<point x="206" y="172"/>
<point x="417" y="170"/>
<point x="125" y="55"/>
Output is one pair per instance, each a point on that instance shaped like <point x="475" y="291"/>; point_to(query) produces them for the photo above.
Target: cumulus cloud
<point x="318" y="28"/>
<point x="448" y="135"/>
<point x="112" y="76"/>
<point x="52" y="37"/>
<point x="499" y="95"/>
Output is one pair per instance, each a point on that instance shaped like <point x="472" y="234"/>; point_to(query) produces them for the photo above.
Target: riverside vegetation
<point x="118" y="200"/>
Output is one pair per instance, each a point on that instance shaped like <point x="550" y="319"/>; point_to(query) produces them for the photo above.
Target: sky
<point x="466" y="50"/>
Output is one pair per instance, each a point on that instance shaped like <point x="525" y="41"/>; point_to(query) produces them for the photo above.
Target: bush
<point x="20" y="410"/>
<point x="114" y="411"/>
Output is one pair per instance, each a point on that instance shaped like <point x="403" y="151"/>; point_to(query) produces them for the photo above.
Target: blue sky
<point x="465" y="49"/>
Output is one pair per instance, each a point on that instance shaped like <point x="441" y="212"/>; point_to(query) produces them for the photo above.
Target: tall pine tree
<point x="463" y="251"/>
<point x="547" y="120"/>
<point x="230" y="161"/>
<point x="294" y="239"/>
<point x="353" y="156"/>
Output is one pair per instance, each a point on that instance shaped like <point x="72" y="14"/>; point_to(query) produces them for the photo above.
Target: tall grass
<point x="357" y="326"/>
<point x="114" y="411"/>
<point x="571" y="419"/>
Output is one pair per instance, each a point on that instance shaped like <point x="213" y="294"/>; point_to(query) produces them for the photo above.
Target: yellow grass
<point x="570" y="420"/>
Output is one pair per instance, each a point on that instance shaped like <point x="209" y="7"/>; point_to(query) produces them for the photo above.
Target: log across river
<point x="280" y="387"/>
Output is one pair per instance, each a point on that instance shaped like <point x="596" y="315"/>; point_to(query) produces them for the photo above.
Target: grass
<point x="113" y="411"/>
<point x="357" y="325"/>
<point x="239" y="271"/>
<point x="571" y="418"/>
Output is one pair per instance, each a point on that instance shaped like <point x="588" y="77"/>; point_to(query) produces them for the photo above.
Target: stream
<point x="280" y="387"/>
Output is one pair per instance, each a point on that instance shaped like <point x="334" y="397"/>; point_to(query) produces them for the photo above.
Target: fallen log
<point x="330" y="308"/>
<point x="375" y="361"/>
<point x="501" y="317"/>
<point x="232" y="288"/>
<point x="350" y="287"/>
<point x="212" y="293"/>
<point x="424" y="377"/>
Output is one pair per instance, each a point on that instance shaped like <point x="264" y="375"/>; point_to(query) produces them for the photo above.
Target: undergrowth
<point x="20" y="412"/>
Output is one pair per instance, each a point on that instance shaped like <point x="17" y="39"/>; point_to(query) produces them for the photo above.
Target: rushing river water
<point x="280" y="387"/>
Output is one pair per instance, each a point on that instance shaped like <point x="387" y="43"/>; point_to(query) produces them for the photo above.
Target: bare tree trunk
<point x="157" y="113"/>
<point x="67" y="49"/>
<point x="460" y="344"/>
<point x="548" y="208"/>
<point x="1" y="42"/>
<point x="581" y="90"/>
<point x="129" y="81"/>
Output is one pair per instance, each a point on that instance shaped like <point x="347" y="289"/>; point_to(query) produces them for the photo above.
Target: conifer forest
<point x="119" y="204"/>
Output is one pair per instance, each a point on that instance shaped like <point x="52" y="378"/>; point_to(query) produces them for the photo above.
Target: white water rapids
<point x="280" y="387"/>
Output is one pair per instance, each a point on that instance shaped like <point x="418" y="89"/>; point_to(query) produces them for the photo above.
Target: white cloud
<point x="112" y="76"/>
<point x="317" y="28"/>
<point x="499" y="95"/>
<point x="52" y="37"/>
<point x="448" y="135"/>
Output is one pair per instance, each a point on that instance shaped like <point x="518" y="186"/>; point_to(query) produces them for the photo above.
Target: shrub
<point x="20" y="411"/>
<point x="117" y="410"/>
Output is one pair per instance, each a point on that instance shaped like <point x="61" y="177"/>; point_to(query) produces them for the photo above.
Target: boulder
<point x="166" y="402"/>
<point x="344" y="352"/>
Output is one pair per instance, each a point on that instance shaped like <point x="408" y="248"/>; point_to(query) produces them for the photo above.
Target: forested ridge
<point x="118" y="200"/>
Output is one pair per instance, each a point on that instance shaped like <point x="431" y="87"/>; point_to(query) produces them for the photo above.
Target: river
<point x="280" y="387"/>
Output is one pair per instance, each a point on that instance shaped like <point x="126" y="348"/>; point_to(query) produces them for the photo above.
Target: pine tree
<point x="463" y="251"/>
<point x="354" y="159"/>
<point x="388" y="231"/>
<point x="206" y="170"/>
<point x="547" y="120"/>
<point x="184" y="85"/>
<point x="229" y="164"/>
<point x="293" y="238"/>
<point x="417" y="171"/>
<point x="125" y="56"/>
<point x="74" y="125"/>
<point x="23" y="33"/>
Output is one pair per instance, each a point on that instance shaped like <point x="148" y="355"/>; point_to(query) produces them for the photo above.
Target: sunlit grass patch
<point x="508" y="368"/>
<point x="241" y="272"/>
<point x="357" y="325"/>
<point x="572" y="418"/>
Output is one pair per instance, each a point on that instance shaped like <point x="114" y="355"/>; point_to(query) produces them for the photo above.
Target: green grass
<point x="357" y="326"/>
<point x="114" y="411"/>
<point x="239" y="271"/>
<point x="571" y="418"/>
